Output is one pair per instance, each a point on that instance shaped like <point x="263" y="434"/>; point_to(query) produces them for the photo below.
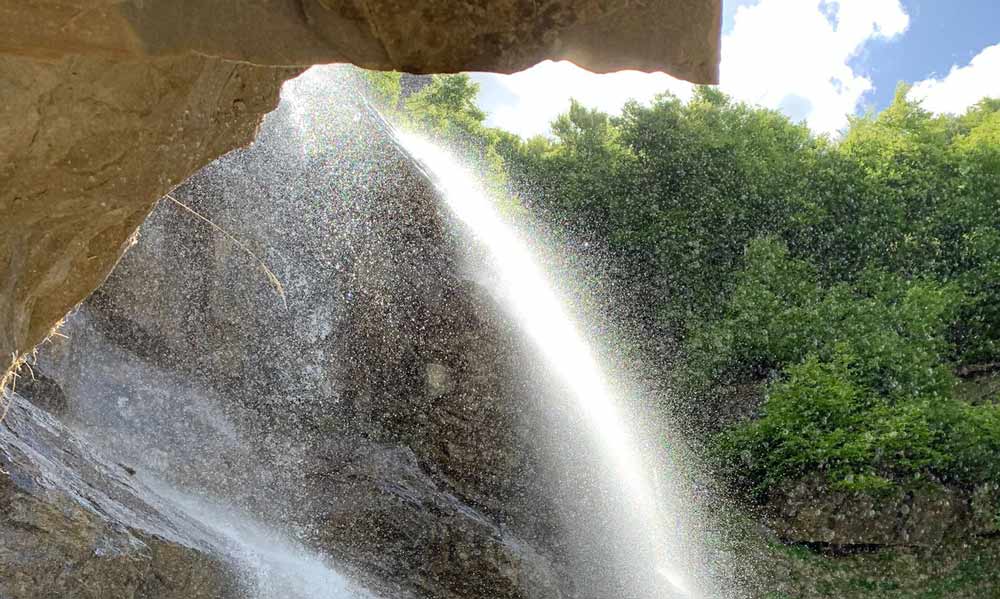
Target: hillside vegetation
<point x="853" y="283"/>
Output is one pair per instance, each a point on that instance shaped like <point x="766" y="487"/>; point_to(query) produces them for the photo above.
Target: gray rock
<point x="920" y="516"/>
<point x="74" y="526"/>
<point x="381" y="512"/>
<point x="41" y="390"/>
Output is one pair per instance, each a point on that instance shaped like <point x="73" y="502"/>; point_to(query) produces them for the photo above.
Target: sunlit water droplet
<point x="533" y="301"/>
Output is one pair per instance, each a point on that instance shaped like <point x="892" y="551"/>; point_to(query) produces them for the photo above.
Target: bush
<point x="822" y="419"/>
<point x="862" y="389"/>
<point x="896" y="329"/>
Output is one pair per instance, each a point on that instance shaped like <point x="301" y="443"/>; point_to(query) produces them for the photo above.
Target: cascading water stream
<point x="654" y="516"/>
<point x="193" y="453"/>
<point x="168" y="429"/>
<point x="276" y="567"/>
<point x="532" y="300"/>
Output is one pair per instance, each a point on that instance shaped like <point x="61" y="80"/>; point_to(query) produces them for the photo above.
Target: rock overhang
<point x="106" y="105"/>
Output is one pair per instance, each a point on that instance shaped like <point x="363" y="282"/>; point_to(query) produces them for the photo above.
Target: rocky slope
<point x="74" y="525"/>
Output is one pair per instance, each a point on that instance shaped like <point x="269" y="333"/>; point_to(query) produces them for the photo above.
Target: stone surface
<point x="41" y="390"/>
<point x="86" y="147"/>
<point x="73" y="526"/>
<point x="808" y="512"/>
<point x="680" y="37"/>
<point x="380" y="512"/>
<point x="106" y="105"/>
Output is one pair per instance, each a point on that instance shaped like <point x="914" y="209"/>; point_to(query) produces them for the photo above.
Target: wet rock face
<point x="806" y="512"/>
<point x="381" y="512"/>
<point x="43" y="391"/>
<point x="74" y="526"/>
<point x="388" y="368"/>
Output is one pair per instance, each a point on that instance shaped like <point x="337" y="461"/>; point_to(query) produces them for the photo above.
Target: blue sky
<point x="940" y="34"/>
<point x="815" y="60"/>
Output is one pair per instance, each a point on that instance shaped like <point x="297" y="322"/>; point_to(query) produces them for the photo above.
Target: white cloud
<point x="962" y="86"/>
<point x="533" y="98"/>
<point x="794" y="55"/>
<point x="791" y="55"/>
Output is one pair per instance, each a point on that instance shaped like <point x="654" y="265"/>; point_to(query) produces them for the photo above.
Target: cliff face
<point x="390" y="411"/>
<point x="105" y="105"/>
<point x="74" y="525"/>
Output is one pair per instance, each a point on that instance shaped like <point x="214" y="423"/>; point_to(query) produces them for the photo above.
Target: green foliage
<point x="823" y="419"/>
<point x="849" y="276"/>
<point x="384" y="88"/>
<point x="853" y="274"/>
<point x="865" y="395"/>
<point x="779" y="312"/>
<point x="679" y="190"/>
<point x="445" y="110"/>
<point x="447" y="107"/>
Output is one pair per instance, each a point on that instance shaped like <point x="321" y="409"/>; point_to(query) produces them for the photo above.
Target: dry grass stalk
<point x="278" y="287"/>
<point x="8" y="383"/>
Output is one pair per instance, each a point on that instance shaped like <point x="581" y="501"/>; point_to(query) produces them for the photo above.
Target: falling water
<point x="533" y="301"/>
<point x="651" y="511"/>
<point x="276" y="567"/>
<point x="188" y="460"/>
<point x="658" y="529"/>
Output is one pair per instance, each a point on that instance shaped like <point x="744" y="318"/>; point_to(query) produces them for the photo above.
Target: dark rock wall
<point x="384" y="362"/>
<point x="75" y="526"/>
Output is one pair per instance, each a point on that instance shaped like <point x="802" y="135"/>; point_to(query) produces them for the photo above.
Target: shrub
<point x="821" y="419"/>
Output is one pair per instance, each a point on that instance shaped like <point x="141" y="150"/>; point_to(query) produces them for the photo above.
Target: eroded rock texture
<point x="107" y="104"/>
<point x="677" y="36"/>
<point x="923" y="516"/>
<point x="74" y="526"/>
<point x="86" y="146"/>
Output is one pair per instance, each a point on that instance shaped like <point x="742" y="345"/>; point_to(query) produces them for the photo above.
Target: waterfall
<point x="191" y="463"/>
<point x="310" y="439"/>
<point x="275" y="566"/>
<point x="531" y="299"/>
